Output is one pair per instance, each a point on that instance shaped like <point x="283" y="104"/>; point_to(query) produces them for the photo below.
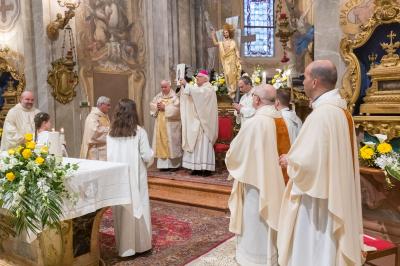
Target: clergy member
<point x="244" y="109"/>
<point x="253" y="163"/>
<point x="167" y="136"/>
<point x="320" y="220"/>
<point x="19" y="121"/>
<point x="97" y="126"/>
<point x="199" y="114"/>
<point x="293" y="122"/>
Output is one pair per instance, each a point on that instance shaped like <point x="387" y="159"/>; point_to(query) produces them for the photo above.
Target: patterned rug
<point x="218" y="178"/>
<point x="180" y="234"/>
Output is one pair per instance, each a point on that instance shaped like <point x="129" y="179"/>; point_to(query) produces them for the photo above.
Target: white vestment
<point x="42" y="139"/>
<point x="199" y="114"/>
<point x="320" y="219"/>
<point x="97" y="126"/>
<point x="18" y="122"/>
<point x="253" y="163"/>
<point x="247" y="110"/>
<point x="132" y="222"/>
<point x="293" y="123"/>
<point x="167" y="134"/>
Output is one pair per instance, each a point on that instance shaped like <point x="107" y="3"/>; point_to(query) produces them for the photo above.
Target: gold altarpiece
<point x="380" y="110"/>
<point x="15" y="81"/>
<point x="371" y="86"/>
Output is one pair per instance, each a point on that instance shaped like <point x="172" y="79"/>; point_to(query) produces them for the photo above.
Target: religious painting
<point x="111" y="41"/>
<point x="9" y="13"/>
<point x="354" y="13"/>
<point x="109" y="38"/>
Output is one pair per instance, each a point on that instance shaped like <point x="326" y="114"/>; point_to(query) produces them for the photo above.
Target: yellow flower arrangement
<point x="10" y="176"/>
<point x="379" y="153"/>
<point x="33" y="176"/>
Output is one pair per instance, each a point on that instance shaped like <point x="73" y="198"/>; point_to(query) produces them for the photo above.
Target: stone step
<point x="191" y="193"/>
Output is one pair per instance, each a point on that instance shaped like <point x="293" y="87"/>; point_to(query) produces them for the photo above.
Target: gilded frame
<point x="386" y="12"/>
<point x="5" y="66"/>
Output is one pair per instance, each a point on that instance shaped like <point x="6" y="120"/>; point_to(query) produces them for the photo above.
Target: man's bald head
<point x="325" y="71"/>
<point x="319" y="77"/>
<point x="264" y="94"/>
<point x="165" y="86"/>
<point x="27" y="99"/>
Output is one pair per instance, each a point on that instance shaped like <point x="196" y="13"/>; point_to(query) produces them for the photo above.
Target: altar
<point x="98" y="185"/>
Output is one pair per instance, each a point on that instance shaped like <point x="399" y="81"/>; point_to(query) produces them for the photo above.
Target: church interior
<point x="71" y="52"/>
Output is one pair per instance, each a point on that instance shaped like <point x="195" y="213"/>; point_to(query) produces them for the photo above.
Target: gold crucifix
<point x="392" y="35"/>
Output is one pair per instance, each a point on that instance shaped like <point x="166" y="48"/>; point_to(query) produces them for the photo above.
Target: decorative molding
<point x="386" y="12"/>
<point x="388" y="125"/>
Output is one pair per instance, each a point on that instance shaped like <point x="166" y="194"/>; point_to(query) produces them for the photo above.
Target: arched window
<point x="259" y="21"/>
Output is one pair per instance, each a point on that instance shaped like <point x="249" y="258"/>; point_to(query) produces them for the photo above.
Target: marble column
<point x="328" y="34"/>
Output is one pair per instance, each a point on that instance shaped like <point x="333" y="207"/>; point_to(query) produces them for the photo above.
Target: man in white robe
<point x="253" y="163"/>
<point x="97" y="126"/>
<point x="19" y="121"/>
<point x="244" y="109"/>
<point x="320" y="220"/>
<point x="199" y="114"/>
<point x="293" y="122"/>
<point x="167" y="136"/>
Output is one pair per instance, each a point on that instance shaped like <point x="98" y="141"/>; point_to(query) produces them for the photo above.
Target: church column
<point x="328" y="34"/>
<point x="170" y="40"/>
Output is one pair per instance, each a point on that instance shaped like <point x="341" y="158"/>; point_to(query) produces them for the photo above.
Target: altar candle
<point x="264" y="77"/>
<point x="54" y="143"/>
<point x="62" y="136"/>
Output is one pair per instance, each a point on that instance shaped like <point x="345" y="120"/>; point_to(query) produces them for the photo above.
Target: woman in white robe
<point x="127" y="143"/>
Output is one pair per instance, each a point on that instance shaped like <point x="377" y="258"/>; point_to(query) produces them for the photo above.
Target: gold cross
<point x="4" y="8"/>
<point x="391" y="36"/>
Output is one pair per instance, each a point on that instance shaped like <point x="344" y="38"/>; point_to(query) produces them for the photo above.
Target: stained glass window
<point x="259" y="21"/>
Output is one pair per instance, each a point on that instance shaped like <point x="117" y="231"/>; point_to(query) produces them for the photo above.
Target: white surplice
<point x="132" y="222"/>
<point x="293" y="123"/>
<point x="247" y="110"/>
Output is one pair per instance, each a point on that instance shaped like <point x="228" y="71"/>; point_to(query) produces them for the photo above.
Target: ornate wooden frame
<point x="386" y="12"/>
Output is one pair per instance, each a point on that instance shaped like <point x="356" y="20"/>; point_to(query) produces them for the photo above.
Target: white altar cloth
<point x="99" y="184"/>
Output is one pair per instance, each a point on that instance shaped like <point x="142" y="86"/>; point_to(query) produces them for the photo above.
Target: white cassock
<point x="199" y="114"/>
<point x="18" y="122"/>
<point x="293" y="123"/>
<point x="132" y="222"/>
<point x="247" y="110"/>
<point x="253" y="163"/>
<point x="320" y="219"/>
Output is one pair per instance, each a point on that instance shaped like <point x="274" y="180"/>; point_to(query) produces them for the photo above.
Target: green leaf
<point x="393" y="172"/>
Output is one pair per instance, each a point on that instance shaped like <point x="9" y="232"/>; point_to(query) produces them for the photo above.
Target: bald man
<point x="320" y="220"/>
<point x="253" y="163"/>
<point x="19" y="121"/>
<point x="167" y="140"/>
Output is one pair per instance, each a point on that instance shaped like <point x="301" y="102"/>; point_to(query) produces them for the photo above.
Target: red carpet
<point x="180" y="234"/>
